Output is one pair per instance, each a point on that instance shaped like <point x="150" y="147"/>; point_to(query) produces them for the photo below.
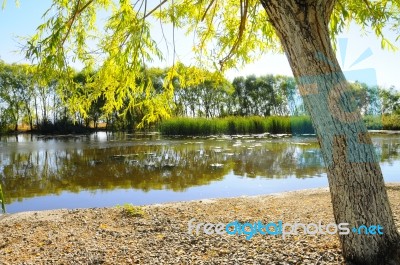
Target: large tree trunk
<point x="355" y="179"/>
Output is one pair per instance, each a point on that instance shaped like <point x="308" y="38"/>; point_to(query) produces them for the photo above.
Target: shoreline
<point x="306" y="191"/>
<point x="310" y="191"/>
<point x="158" y="233"/>
<point x="149" y="133"/>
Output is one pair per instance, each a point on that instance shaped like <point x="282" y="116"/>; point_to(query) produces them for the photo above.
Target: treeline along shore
<point x="213" y="105"/>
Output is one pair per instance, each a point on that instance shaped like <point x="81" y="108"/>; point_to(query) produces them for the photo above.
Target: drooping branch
<point x="75" y="14"/>
<point x="208" y="8"/>
<point x="244" y="4"/>
<point x="367" y="3"/>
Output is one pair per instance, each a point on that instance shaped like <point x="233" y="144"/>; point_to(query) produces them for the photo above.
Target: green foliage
<point x="373" y="122"/>
<point x="226" y="33"/>
<point x="375" y="15"/>
<point x="255" y="125"/>
<point x="237" y="27"/>
<point x="391" y="122"/>
<point x="236" y="125"/>
<point x="131" y="210"/>
<point x="126" y="43"/>
<point x="264" y="96"/>
<point x="301" y="125"/>
<point x="5" y="120"/>
<point x="15" y="91"/>
<point x="384" y="122"/>
<point x="390" y="101"/>
<point x="209" y="97"/>
<point x="197" y="93"/>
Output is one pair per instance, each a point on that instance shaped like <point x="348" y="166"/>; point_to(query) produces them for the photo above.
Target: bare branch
<point x="154" y="9"/>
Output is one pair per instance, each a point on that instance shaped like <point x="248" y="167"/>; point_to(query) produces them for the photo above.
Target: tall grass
<point x="3" y="207"/>
<point x="255" y="124"/>
<point x="236" y="125"/>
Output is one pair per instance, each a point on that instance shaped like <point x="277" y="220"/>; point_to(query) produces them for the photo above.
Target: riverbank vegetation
<point x="213" y="105"/>
<point x="256" y="125"/>
<point x="237" y="125"/>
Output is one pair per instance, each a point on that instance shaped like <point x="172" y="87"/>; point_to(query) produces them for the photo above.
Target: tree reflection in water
<point x="51" y="165"/>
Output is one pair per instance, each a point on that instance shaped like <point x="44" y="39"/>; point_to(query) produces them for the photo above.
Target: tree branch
<point x="73" y="18"/>
<point x="244" y="4"/>
<point x="208" y="8"/>
<point x="154" y="9"/>
<point x="367" y="3"/>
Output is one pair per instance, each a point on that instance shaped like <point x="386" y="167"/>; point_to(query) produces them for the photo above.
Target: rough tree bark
<point x="355" y="179"/>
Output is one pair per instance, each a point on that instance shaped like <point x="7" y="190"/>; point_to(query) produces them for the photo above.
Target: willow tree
<point x="228" y="33"/>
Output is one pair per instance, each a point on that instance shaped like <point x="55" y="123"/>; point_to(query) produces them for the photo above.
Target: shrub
<point x="131" y="210"/>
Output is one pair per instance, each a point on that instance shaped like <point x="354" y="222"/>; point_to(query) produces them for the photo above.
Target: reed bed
<point x="237" y="125"/>
<point x="296" y="125"/>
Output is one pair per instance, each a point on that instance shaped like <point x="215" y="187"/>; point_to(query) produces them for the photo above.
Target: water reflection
<point x="40" y="166"/>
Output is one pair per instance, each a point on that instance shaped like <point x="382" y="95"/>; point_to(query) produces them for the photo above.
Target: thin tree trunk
<point x="30" y="119"/>
<point x="16" y="118"/>
<point x="44" y="105"/>
<point x="36" y="113"/>
<point x="55" y="109"/>
<point x="29" y="112"/>
<point x="355" y="179"/>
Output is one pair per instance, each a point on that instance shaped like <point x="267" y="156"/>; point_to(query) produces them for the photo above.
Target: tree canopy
<point x="226" y="33"/>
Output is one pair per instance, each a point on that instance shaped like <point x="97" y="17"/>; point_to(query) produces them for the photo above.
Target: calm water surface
<point x="45" y="172"/>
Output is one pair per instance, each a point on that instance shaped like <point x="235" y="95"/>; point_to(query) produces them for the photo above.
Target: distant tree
<point x="265" y="94"/>
<point x="198" y="92"/>
<point x="390" y="101"/>
<point x="16" y="92"/>
<point x="241" y="96"/>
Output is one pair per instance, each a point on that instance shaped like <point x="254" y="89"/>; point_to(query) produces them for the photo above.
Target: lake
<point x="109" y="169"/>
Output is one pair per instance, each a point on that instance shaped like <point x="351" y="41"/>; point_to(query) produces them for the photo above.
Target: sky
<point x="363" y="59"/>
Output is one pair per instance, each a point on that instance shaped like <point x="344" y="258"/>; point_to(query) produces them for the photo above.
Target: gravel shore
<point x="158" y="234"/>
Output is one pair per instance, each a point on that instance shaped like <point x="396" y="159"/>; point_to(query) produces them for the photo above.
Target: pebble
<point x="108" y="236"/>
